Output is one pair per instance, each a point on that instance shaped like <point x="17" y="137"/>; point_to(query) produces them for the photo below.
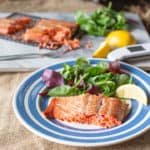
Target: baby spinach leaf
<point x="64" y="90"/>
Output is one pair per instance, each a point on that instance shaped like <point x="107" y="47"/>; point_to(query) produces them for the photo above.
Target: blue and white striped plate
<point x="28" y="106"/>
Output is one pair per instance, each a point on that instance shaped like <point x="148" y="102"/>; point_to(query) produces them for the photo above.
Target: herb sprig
<point x="102" y="21"/>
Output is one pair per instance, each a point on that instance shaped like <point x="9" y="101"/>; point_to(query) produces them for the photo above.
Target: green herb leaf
<point x="64" y="90"/>
<point x="82" y="75"/>
<point x="102" y="21"/>
<point x="122" y="79"/>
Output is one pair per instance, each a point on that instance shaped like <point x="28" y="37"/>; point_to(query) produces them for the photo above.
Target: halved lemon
<point x="102" y="51"/>
<point x="132" y="91"/>
<point x="120" y="38"/>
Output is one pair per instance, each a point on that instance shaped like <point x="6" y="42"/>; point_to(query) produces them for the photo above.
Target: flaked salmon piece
<point x="45" y="38"/>
<point x="88" y="109"/>
<point x="61" y="34"/>
<point x="113" y="107"/>
<point x="23" y="21"/>
<point x="72" y="44"/>
<point x="35" y="35"/>
<point x="77" y="104"/>
<point x="51" y="34"/>
<point x="112" y="112"/>
<point x="44" y="24"/>
<point x="11" y="25"/>
<point x="52" y="23"/>
<point x="52" y="38"/>
<point x="71" y="25"/>
<point x="55" y="31"/>
<point x="88" y="44"/>
<point x="58" y="34"/>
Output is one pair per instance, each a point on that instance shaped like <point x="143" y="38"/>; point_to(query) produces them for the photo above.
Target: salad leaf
<point x="82" y="62"/>
<point x="114" y="67"/>
<point x="122" y="79"/>
<point x="52" y="78"/>
<point x="102" y="21"/>
<point x="105" y="82"/>
<point x="83" y="77"/>
<point x="64" y="90"/>
<point x="92" y="89"/>
<point x="67" y="72"/>
<point x="103" y="65"/>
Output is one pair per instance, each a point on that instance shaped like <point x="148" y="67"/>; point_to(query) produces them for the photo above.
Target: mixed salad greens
<point x="83" y="77"/>
<point x="102" y="21"/>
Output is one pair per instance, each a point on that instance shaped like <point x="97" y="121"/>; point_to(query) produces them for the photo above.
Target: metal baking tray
<point x="18" y="34"/>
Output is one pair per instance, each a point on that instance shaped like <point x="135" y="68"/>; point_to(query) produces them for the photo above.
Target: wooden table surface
<point x="13" y="135"/>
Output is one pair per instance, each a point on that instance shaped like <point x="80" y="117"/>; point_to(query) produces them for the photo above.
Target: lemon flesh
<point x="120" y="38"/>
<point x="132" y="91"/>
<point x="102" y="51"/>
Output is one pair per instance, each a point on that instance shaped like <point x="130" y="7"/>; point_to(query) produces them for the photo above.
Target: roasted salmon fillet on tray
<point x="12" y="25"/>
<point x="51" y="33"/>
<point x="48" y="33"/>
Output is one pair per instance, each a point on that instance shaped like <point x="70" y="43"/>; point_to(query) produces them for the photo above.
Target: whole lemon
<point x="120" y="38"/>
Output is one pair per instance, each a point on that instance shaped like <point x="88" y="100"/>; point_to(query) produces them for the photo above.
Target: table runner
<point x="14" y="136"/>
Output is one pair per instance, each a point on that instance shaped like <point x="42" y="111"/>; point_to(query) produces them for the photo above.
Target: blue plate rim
<point x="29" y="127"/>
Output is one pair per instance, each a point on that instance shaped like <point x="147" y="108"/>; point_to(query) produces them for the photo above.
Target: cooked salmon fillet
<point x="52" y="23"/>
<point x="56" y="29"/>
<point x="35" y="35"/>
<point x="58" y="34"/>
<point x="88" y="109"/>
<point x="52" y="34"/>
<point x="11" y="25"/>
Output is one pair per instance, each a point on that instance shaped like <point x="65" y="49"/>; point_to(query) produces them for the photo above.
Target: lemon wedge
<point x="132" y="91"/>
<point x="102" y="51"/>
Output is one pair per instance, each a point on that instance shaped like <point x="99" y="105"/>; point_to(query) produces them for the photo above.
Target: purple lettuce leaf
<point x="52" y="78"/>
<point x="92" y="89"/>
<point x="114" y="67"/>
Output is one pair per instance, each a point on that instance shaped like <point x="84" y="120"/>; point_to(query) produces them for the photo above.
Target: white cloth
<point x="9" y="47"/>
